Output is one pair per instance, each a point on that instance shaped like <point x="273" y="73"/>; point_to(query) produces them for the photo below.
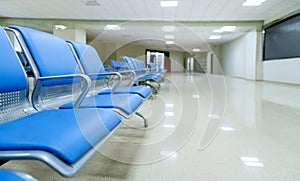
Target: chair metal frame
<point x="52" y="160"/>
<point x="118" y="74"/>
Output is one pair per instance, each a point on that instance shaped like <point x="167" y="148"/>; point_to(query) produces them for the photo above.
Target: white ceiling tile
<point x="184" y="9"/>
<point x="199" y="9"/>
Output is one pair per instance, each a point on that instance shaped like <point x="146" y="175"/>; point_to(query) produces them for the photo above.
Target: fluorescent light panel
<point x="254" y="164"/>
<point x="60" y="27"/>
<point x="169" y="105"/>
<point x="214" y="116"/>
<point x="225" y="29"/>
<point x="196" y="50"/>
<point x="169" y="28"/>
<point x="169" y="42"/>
<point x="196" y="96"/>
<point x="215" y="37"/>
<point x="168" y="4"/>
<point x="170" y="37"/>
<point x="249" y="159"/>
<point x="253" y="2"/>
<point x="170" y="114"/>
<point x="218" y="31"/>
<point x="227" y="129"/>
<point x="112" y="27"/>
<point x="228" y="28"/>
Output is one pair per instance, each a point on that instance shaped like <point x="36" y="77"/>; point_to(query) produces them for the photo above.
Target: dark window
<point x="282" y="40"/>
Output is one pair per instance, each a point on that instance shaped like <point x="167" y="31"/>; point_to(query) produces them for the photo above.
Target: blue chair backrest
<point x="88" y="57"/>
<point x="12" y="75"/>
<point x="13" y="86"/>
<point x="114" y="64"/>
<point x="118" y="65"/>
<point x="129" y="62"/>
<point x="51" y="54"/>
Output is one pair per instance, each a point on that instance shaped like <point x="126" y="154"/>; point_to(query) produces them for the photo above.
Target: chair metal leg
<point x="145" y="120"/>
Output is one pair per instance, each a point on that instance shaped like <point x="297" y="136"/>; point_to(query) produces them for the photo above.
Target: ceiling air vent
<point x="90" y="2"/>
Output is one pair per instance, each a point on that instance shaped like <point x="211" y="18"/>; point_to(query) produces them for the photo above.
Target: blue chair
<point x="87" y="57"/>
<point x="10" y="175"/>
<point x="30" y="134"/>
<point x="143" y="76"/>
<point x="50" y="55"/>
<point x="118" y="65"/>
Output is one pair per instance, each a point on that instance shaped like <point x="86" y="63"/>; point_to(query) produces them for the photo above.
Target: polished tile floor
<point x="202" y="127"/>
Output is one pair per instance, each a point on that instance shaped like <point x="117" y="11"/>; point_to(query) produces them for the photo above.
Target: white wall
<point x="78" y="35"/>
<point x="239" y="57"/>
<point x="286" y="70"/>
<point x="216" y="65"/>
<point x="177" y="61"/>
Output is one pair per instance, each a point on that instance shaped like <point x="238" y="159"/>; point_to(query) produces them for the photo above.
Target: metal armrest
<point x="109" y="73"/>
<point x="132" y="77"/>
<point x="39" y="82"/>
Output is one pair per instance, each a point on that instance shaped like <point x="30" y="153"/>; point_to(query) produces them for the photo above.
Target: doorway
<point x="159" y="58"/>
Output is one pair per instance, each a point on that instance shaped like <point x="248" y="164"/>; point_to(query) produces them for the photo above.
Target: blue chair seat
<point x="9" y="175"/>
<point x="140" y="90"/>
<point x="65" y="133"/>
<point x="127" y="103"/>
<point x="150" y="76"/>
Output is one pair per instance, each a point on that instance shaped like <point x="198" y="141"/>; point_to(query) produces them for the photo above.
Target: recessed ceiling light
<point x="214" y="116"/>
<point x="170" y="37"/>
<point x="168" y="3"/>
<point x="254" y="164"/>
<point x="215" y="37"/>
<point x="169" y="28"/>
<point x="169" y="42"/>
<point x="218" y="31"/>
<point x="196" y="96"/>
<point x="252" y="161"/>
<point x="225" y="29"/>
<point x="112" y="27"/>
<point x="256" y="1"/>
<point x="60" y="27"/>
<point x="169" y="105"/>
<point x="253" y="2"/>
<point x="226" y="129"/>
<point x="170" y="114"/>
<point x="196" y="50"/>
<point x="228" y="28"/>
<point x="249" y="159"/>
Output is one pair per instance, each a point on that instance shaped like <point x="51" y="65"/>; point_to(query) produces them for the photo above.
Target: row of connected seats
<point x="84" y="61"/>
<point x="67" y="118"/>
<point x="118" y="65"/>
<point x="144" y="76"/>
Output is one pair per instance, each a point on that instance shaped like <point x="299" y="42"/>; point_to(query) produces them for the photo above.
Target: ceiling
<point x="194" y="20"/>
